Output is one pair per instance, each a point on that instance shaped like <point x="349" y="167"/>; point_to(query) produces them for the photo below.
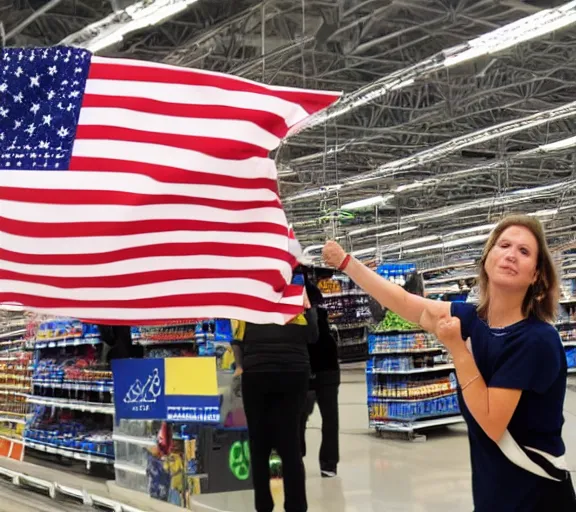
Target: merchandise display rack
<point x="192" y="466"/>
<point x="15" y="385"/>
<point x="411" y="386"/>
<point x="349" y="314"/>
<point x="566" y="326"/>
<point x="71" y="400"/>
<point x="411" y="383"/>
<point x="134" y="441"/>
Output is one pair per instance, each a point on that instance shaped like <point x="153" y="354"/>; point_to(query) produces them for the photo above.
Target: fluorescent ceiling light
<point x="398" y="231"/>
<point x="367" y="203"/>
<point x="544" y="213"/>
<point x="553" y="146"/>
<point x="363" y="252"/>
<point x="513" y="34"/>
<point x="451" y="243"/>
<point x="526" y="29"/>
<point x="399" y="246"/>
<point x="420" y="240"/>
<point x="474" y="229"/>
<point x="444" y="149"/>
<point x="112" y="29"/>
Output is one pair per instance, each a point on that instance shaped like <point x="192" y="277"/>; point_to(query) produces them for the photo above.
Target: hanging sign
<point x="171" y="389"/>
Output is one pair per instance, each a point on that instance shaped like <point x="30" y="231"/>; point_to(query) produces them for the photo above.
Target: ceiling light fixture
<point x="526" y="29"/>
<point x="427" y="156"/>
<point x="112" y="29"/>
<point x="368" y="202"/>
<point x="449" y="244"/>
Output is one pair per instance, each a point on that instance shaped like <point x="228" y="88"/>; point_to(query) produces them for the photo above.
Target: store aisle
<point x="378" y="475"/>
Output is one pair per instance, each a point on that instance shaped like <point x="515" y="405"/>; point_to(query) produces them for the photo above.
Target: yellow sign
<point x="191" y="376"/>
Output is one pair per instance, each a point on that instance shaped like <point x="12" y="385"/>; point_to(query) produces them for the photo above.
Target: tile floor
<point x="385" y="475"/>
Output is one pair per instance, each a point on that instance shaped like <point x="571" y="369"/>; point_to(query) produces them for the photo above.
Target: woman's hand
<point x="333" y="254"/>
<point x="448" y="331"/>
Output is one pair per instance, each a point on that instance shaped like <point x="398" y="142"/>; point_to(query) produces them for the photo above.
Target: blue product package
<point x="421" y="409"/>
<point x="222" y="329"/>
<point x="298" y="279"/>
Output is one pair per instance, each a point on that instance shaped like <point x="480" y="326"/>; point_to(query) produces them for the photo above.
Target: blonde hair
<point x="541" y="299"/>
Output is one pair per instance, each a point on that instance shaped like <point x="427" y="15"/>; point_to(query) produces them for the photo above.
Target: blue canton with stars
<point x="41" y="91"/>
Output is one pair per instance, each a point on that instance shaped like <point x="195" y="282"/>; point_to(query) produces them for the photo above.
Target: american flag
<point x="133" y="191"/>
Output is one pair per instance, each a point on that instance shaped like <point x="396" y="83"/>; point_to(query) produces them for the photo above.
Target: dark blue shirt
<point x="528" y="356"/>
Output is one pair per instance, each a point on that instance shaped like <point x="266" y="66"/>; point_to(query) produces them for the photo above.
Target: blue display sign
<point x="172" y="389"/>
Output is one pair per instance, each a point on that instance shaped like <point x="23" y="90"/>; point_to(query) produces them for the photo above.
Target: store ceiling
<point x="471" y="178"/>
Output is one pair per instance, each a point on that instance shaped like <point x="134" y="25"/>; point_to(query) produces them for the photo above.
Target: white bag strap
<point x="532" y="460"/>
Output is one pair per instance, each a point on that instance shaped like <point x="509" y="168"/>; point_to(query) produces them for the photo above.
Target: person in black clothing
<point x="275" y="368"/>
<point x="324" y="385"/>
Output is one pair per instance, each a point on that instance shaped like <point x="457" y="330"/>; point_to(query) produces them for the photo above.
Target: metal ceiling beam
<point x="429" y="155"/>
<point x="32" y="18"/>
<point x="495" y="41"/>
<point x="112" y="29"/>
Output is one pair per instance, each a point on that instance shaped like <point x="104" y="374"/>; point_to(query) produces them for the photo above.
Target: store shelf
<point x="17" y="343"/>
<point x="408" y="351"/>
<point x="411" y="426"/>
<point x="352" y="342"/>
<point x="66" y="342"/>
<point x="12" y="439"/>
<point x="380" y="399"/>
<point x="160" y="343"/>
<point x="8" y="419"/>
<point x="437" y="368"/>
<point x="398" y="332"/>
<point x="569" y="343"/>
<point x="11" y="358"/>
<point x="147" y="442"/>
<point x="17" y="332"/>
<point x="346" y="327"/>
<point x="130" y="468"/>
<point x="66" y="452"/>
<point x="15" y="391"/>
<point x="572" y="370"/>
<point x="75" y="405"/>
<point x="102" y="388"/>
<point x="346" y="293"/>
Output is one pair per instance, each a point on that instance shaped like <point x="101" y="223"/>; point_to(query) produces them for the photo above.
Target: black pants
<point x="274" y="405"/>
<point x="326" y="395"/>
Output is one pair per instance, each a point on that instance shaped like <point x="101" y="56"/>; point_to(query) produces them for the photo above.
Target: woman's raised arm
<point x="413" y="308"/>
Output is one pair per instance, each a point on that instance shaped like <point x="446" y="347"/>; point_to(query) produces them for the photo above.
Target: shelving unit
<point x="138" y="464"/>
<point x="567" y="328"/>
<point x="410" y="384"/>
<point x="349" y="314"/>
<point x="15" y="385"/>
<point x="71" y="394"/>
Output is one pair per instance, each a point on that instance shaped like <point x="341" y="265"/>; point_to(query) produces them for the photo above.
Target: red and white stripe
<point x="170" y="208"/>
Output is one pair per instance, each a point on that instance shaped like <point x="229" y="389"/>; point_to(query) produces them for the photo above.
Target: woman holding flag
<point x="510" y="364"/>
